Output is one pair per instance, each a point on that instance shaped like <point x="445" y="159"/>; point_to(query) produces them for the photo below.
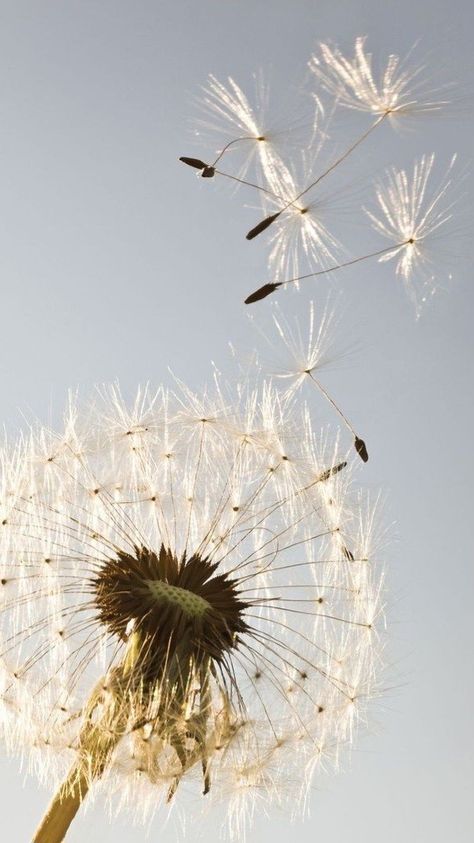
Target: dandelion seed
<point x="197" y="597"/>
<point x="269" y="288"/>
<point x="207" y="171"/>
<point x="262" y="292"/>
<point x="242" y="128"/>
<point x="193" y="162"/>
<point x="262" y="226"/>
<point x="309" y="354"/>
<point x="361" y="448"/>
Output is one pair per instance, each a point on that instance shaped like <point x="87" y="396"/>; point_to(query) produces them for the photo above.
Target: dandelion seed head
<point x="174" y="597"/>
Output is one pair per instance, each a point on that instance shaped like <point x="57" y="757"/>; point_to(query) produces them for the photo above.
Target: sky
<point x="116" y="263"/>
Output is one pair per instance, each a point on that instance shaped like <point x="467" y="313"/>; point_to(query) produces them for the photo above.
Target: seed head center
<point x="191" y="604"/>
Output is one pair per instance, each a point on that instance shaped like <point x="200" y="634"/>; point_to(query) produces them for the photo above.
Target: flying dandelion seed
<point x="187" y="594"/>
<point x="307" y="354"/>
<point x="239" y="125"/>
<point x="411" y="213"/>
<point x="255" y="148"/>
<point x="245" y="134"/>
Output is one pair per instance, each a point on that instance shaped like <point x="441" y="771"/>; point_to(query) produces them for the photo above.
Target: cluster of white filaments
<point x="300" y="202"/>
<point x="99" y="525"/>
<point x="249" y="137"/>
<point x="410" y="211"/>
<point x="399" y="89"/>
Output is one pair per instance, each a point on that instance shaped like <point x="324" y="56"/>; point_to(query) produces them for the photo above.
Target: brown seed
<point x="262" y="292"/>
<point x="330" y="471"/>
<point x="193" y="162"/>
<point x="361" y="449"/>
<point x="254" y="232"/>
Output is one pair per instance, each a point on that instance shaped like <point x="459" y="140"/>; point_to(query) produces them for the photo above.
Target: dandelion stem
<point x="63" y="809"/>
<point x="97" y="741"/>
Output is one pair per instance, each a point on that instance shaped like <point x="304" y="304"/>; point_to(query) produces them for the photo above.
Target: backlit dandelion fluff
<point x="398" y="89"/>
<point x="242" y="128"/>
<point x="188" y="594"/>
<point x="411" y="211"/>
<point x="350" y="83"/>
<point x="302" y="236"/>
<point x="307" y="354"/>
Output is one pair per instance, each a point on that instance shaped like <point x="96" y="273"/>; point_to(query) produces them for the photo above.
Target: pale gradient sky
<point x="116" y="263"/>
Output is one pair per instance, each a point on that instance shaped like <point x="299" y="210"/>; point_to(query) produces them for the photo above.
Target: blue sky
<point x="116" y="263"/>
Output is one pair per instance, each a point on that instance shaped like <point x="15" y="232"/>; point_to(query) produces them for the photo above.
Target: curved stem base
<point x="62" y="810"/>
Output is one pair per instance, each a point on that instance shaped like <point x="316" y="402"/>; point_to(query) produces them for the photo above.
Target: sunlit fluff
<point x="188" y="594"/>
<point x="244" y="137"/>
<point x="411" y="211"/>
<point x="397" y="90"/>
<point x="304" y="353"/>
<point x="301" y="237"/>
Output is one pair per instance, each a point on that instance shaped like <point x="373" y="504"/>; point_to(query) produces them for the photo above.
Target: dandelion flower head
<point x="188" y="594"/>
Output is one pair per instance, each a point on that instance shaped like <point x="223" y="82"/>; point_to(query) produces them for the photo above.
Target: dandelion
<point x="187" y="595"/>
<point x="411" y="211"/>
